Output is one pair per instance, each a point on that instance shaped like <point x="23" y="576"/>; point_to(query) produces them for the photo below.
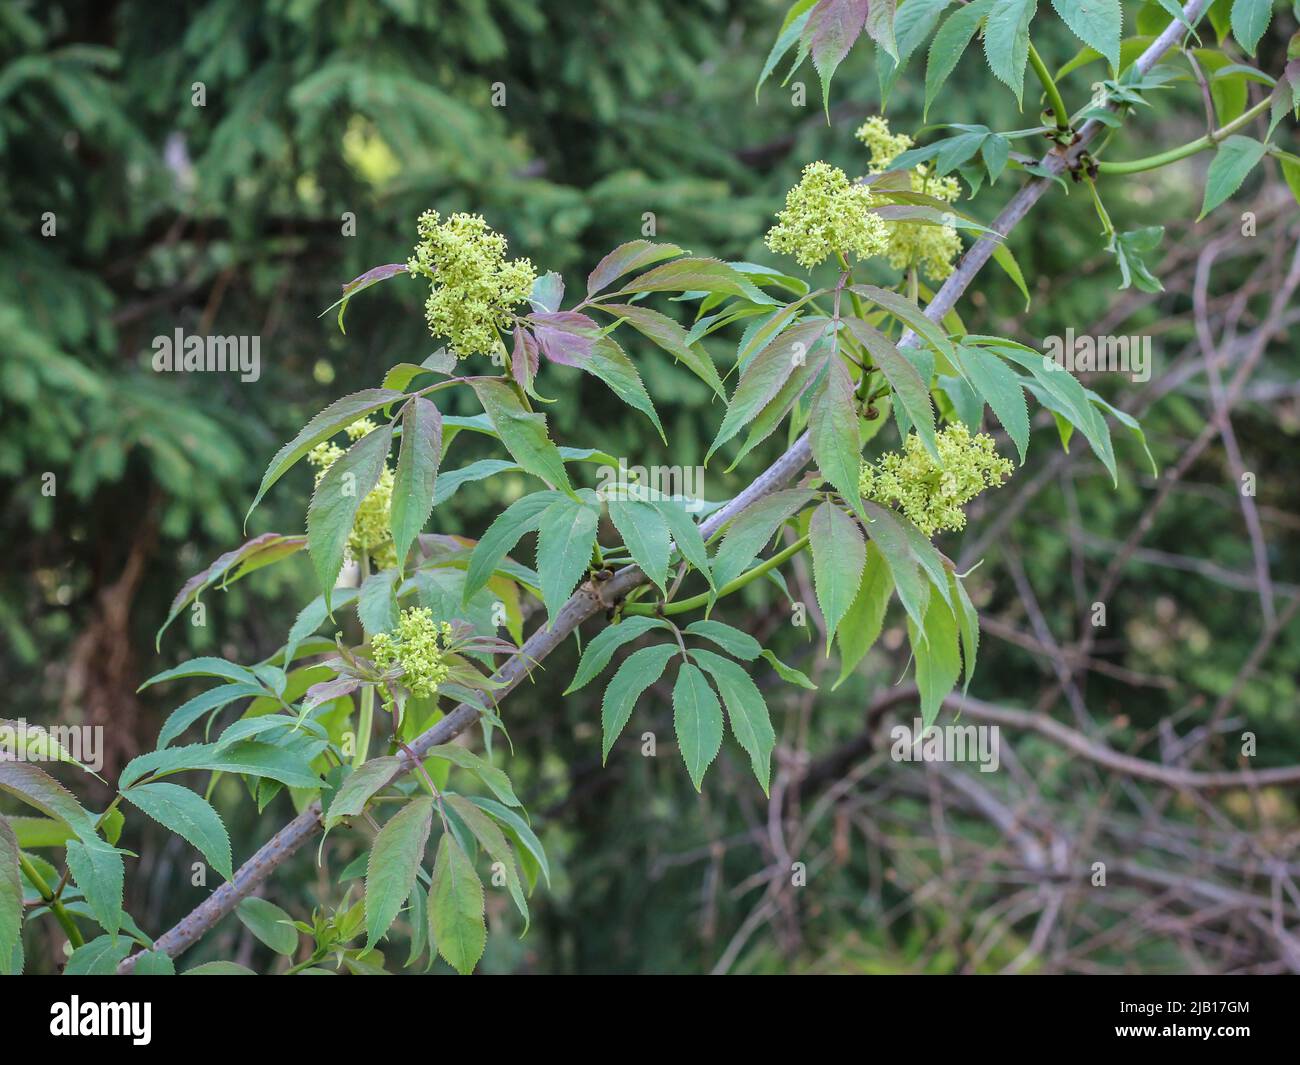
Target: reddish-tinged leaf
<point x="257" y="552"/>
<point x="634" y="255"/>
<point x="358" y="284"/>
<point x="329" y="690"/>
<point x="832" y="27"/>
<point x="524" y="358"/>
<point x="565" y="337"/>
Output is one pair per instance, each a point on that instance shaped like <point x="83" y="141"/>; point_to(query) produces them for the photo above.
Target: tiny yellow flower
<point x="474" y="287"/>
<point x="418" y="646"/>
<point x="931" y="248"/>
<point x="824" y="214"/>
<point x="931" y="495"/>
<point x="884" y="146"/>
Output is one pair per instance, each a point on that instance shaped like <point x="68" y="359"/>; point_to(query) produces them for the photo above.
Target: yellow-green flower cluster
<point x="884" y="146"/>
<point x="475" y="287"/>
<point x="932" y="495"/>
<point x="824" y="214"/>
<point x="371" y="533"/>
<point x="929" y="247"/>
<point x="419" y="646"/>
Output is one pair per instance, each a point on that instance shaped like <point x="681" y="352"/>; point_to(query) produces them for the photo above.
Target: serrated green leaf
<point x="522" y="516"/>
<point x="334" y="418"/>
<point x="610" y="363"/>
<point x="693" y="275"/>
<point x="495" y="779"/>
<point x="641" y="669"/>
<point x="270" y="924"/>
<point x="416" y="473"/>
<point x="456" y="922"/>
<point x="98" y="871"/>
<point x="190" y="816"/>
<point x="969" y="625"/>
<point x="394" y="860"/>
<point x="1098" y="23"/>
<point x="32" y="785"/>
<point x="645" y="535"/>
<point x="206" y="667"/>
<point x="763" y="376"/>
<point x="11" y="894"/>
<point x="839" y="552"/>
<point x="736" y="643"/>
<point x="33" y="833"/>
<point x="522" y="432"/>
<point x="154" y="963"/>
<point x="206" y="702"/>
<point x="686" y="535"/>
<point x="948" y="45"/>
<point x="601" y="649"/>
<point x="251" y="758"/>
<point x="1234" y="158"/>
<point x="219" y="968"/>
<point x="1291" y="172"/>
<point x="834" y="433"/>
<point x="1000" y="387"/>
<point x="334" y="504"/>
<point x="99" y="957"/>
<point x="862" y="624"/>
<point x="909" y="313"/>
<point x="1131" y="251"/>
<point x="747" y="712"/>
<point x="791" y="30"/>
<point x="634" y="255"/>
<point x="359" y="787"/>
<point x="697" y="719"/>
<point x="566" y="532"/>
<point x="532" y="856"/>
<point x="672" y="338"/>
<point x="1060" y="392"/>
<point x="788" y="673"/>
<point x="1007" y="261"/>
<point x="938" y="660"/>
<point x="887" y="533"/>
<point x="1006" y="41"/>
<point x="494" y="842"/>
<point x="1250" y="18"/>
<point x="377" y="608"/>
<point x="752" y="529"/>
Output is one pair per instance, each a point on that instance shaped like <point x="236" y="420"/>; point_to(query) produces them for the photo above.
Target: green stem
<point x="366" y="722"/>
<point x="697" y="601"/>
<point x="56" y="907"/>
<point x="99" y="822"/>
<point x="853" y="296"/>
<point x="1153" y="162"/>
<point x="1049" y="87"/>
